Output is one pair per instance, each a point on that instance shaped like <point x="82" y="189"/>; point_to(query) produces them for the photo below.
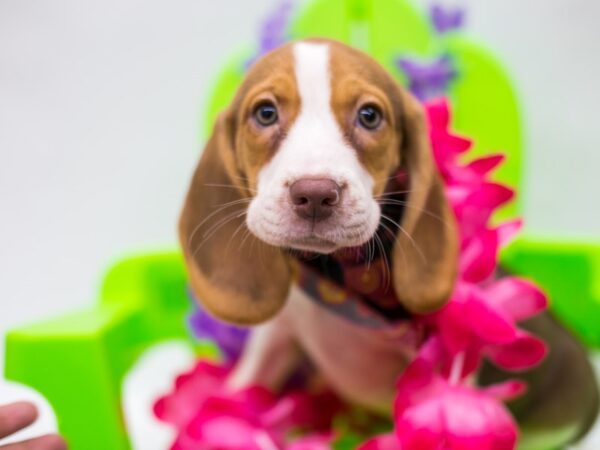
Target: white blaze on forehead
<point x="313" y="79"/>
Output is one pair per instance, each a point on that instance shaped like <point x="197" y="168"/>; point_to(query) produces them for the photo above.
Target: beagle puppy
<point x="321" y="164"/>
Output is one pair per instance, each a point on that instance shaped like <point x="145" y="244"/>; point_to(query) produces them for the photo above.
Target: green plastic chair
<point x="78" y="362"/>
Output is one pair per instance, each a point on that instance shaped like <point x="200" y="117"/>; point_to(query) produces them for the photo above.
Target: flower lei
<point x="437" y="405"/>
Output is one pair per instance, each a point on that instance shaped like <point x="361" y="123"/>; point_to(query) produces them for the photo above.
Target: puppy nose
<point x="315" y="199"/>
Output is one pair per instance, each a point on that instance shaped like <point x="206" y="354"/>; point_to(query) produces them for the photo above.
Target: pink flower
<point x="434" y="413"/>
<point x="481" y="322"/>
<point x="208" y="416"/>
<point x="457" y="417"/>
<point x="191" y="390"/>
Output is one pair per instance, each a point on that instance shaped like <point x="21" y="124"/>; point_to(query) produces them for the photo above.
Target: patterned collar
<point x="356" y="283"/>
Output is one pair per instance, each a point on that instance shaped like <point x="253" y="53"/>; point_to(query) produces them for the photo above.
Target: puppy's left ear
<point x="426" y="254"/>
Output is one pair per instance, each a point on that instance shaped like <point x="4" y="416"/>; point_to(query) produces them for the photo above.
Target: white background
<point x="100" y="105"/>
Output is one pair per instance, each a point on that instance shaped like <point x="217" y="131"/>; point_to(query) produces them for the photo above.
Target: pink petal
<point x="229" y="433"/>
<point x="476" y="209"/>
<point x="315" y="442"/>
<point x="475" y="421"/>
<point x="506" y="391"/>
<point x="421" y="427"/>
<point x="518" y="298"/>
<point x="191" y="390"/>
<point x="383" y="442"/>
<point x="525" y="352"/>
<point x="483" y="166"/>
<point x="454" y="327"/>
<point x="479" y="258"/>
<point x="507" y="231"/>
<point x="492" y="195"/>
<point x="457" y="195"/>
<point x="416" y="377"/>
<point x="438" y="114"/>
<point x="456" y="144"/>
<point x="488" y="324"/>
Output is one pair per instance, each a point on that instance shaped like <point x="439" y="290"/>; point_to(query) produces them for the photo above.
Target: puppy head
<point x="299" y="160"/>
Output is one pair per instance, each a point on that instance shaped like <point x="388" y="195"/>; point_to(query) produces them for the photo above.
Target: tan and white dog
<point x="300" y="160"/>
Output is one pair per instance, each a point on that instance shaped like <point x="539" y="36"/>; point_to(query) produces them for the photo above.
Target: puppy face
<point x="319" y="138"/>
<point x="300" y="159"/>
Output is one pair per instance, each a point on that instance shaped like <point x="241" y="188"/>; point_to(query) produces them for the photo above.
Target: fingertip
<point x="16" y="416"/>
<point x="51" y="442"/>
<point x="24" y="411"/>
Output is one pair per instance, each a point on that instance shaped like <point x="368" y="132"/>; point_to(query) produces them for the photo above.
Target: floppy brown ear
<point x="426" y="253"/>
<point x="235" y="276"/>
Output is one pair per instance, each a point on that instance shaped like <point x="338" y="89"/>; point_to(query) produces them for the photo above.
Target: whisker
<point x="229" y="186"/>
<point x="223" y="221"/>
<point x="239" y="227"/>
<point x="405" y="204"/>
<point x="386" y="272"/>
<point x="388" y="193"/>
<point x="206" y="219"/>
<point x="389" y="230"/>
<point x="248" y="233"/>
<point x="372" y="250"/>
<point x="213" y="229"/>
<point x="238" y="177"/>
<point x="410" y="238"/>
<point x="368" y="249"/>
<point x="234" y="202"/>
<point x="252" y="244"/>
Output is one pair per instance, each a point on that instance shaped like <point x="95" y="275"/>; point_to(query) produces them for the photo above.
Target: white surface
<point x="152" y="377"/>
<point x="46" y="423"/>
<point x="99" y="113"/>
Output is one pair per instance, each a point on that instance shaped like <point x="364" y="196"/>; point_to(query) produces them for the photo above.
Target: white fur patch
<point x="314" y="148"/>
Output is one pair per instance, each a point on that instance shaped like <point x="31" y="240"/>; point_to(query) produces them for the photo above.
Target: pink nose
<point x="315" y="199"/>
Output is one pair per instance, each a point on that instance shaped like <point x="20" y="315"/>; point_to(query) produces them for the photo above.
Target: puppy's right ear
<point x="235" y="276"/>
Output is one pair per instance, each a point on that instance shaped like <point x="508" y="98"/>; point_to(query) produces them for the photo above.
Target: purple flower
<point x="445" y="19"/>
<point x="273" y="32"/>
<point x="229" y="338"/>
<point x="428" y="80"/>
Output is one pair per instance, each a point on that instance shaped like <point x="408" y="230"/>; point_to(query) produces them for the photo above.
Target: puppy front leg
<point x="270" y="355"/>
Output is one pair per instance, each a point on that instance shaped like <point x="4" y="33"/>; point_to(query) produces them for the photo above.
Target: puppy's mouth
<point x="312" y="243"/>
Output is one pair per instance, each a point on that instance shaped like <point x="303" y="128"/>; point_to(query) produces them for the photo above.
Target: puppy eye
<point x="369" y="117"/>
<point x="266" y="114"/>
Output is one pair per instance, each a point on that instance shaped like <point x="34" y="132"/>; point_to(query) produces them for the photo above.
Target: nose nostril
<point x="332" y="199"/>
<point x="314" y="199"/>
<point x="300" y="200"/>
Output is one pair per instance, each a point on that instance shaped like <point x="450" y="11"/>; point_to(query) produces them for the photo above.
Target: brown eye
<point x="266" y="114"/>
<point x="369" y="117"/>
